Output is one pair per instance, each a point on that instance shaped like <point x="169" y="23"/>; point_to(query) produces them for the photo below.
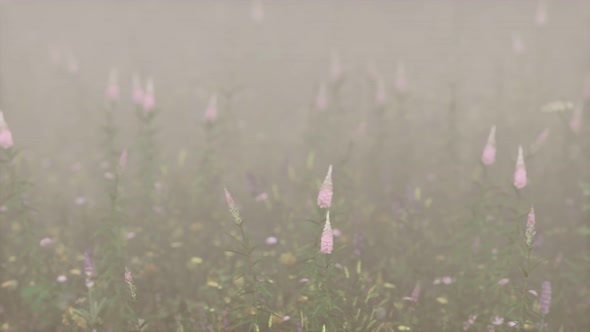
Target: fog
<point x="369" y="153"/>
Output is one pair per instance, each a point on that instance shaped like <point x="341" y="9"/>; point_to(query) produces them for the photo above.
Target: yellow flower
<point x="287" y="259"/>
<point x="195" y="227"/>
<point x="9" y="284"/>
<point x="442" y="300"/>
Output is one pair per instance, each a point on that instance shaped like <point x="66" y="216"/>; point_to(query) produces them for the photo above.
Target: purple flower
<point x="545" y="299"/>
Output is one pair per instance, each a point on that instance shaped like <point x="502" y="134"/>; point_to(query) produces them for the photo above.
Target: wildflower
<point x="357" y="243"/>
<point x="541" y="14"/>
<point x="335" y="67"/>
<point x="517" y="44"/>
<point x="520" y="177"/>
<point x="512" y="324"/>
<point x="129" y="281"/>
<point x="489" y="152"/>
<point x="89" y="268"/>
<point x="498" y="320"/>
<point x="5" y="133"/>
<point x="541" y="139"/>
<point x="503" y="282"/>
<point x="233" y="208"/>
<point x="123" y="160"/>
<point x="287" y="258"/>
<point x="211" y="113"/>
<point x="327" y="241"/>
<point x="137" y="93"/>
<point x="112" y="91"/>
<point x="55" y="56"/>
<point x="149" y="100"/>
<point x="89" y="283"/>
<point x="271" y="240"/>
<point x="73" y="65"/>
<point x="470" y="321"/>
<point x="261" y="197"/>
<point x="62" y="278"/>
<point x="11" y="284"/>
<point x="257" y="11"/>
<point x="576" y="120"/>
<point x="530" y="228"/>
<point x="326" y="191"/>
<point x="545" y="299"/>
<point x="45" y="242"/>
<point x="415" y="294"/>
<point x="401" y="84"/>
<point x="321" y="100"/>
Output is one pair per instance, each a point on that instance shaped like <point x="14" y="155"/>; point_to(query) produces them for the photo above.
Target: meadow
<point x="295" y="166"/>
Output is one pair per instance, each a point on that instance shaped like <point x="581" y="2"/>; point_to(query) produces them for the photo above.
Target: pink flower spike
<point x="112" y="92"/>
<point x="489" y="152"/>
<point x="6" y="138"/>
<point x="335" y="67"/>
<point x="211" y="113"/>
<point x="415" y="294"/>
<point x="137" y="94"/>
<point x="149" y="100"/>
<point x="541" y="14"/>
<point x="541" y="139"/>
<point x="89" y="268"/>
<point x="5" y="133"/>
<point x="576" y="120"/>
<point x="321" y="100"/>
<point x="128" y="276"/>
<point x="257" y="11"/>
<point x="73" y="66"/>
<point x="55" y="56"/>
<point x="517" y="44"/>
<point x="123" y="160"/>
<point x="545" y="299"/>
<point x="520" y="176"/>
<point x="530" y="228"/>
<point x="401" y="84"/>
<point x="229" y="199"/>
<point x="326" y="191"/>
<point x="327" y="240"/>
<point x="233" y="208"/>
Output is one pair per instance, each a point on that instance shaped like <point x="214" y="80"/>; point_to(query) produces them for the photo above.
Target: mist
<point x="295" y="165"/>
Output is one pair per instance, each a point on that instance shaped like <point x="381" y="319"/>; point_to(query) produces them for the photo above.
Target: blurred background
<point x="413" y="88"/>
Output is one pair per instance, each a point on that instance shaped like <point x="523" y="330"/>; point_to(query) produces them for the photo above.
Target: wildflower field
<point x="295" y="166"/>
